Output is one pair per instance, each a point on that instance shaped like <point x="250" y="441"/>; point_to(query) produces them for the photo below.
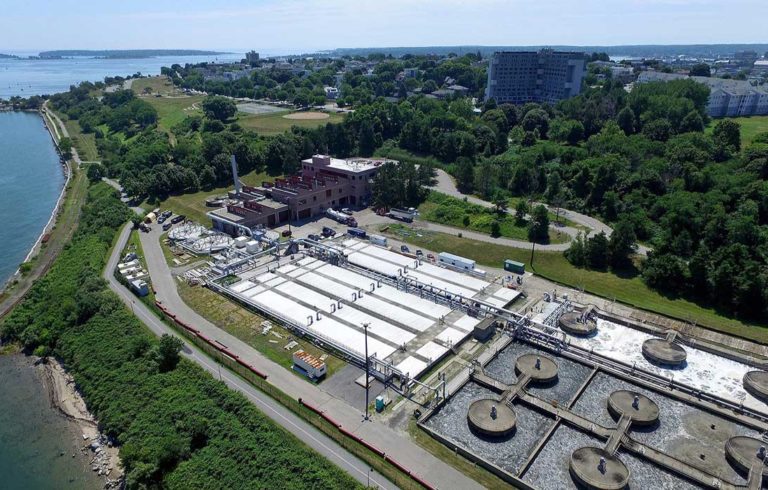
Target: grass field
<point x="447" y="210"/>
<point x="554" y="266"/>
<point x="275" y="123"/>
<point x="85" y="143"/>
<point x="193" y="205"/>
<point x="246" y="326"/>
<point x="157" y="85"/>
<point x="750" y="127"/>
<point x="173" y="110"/>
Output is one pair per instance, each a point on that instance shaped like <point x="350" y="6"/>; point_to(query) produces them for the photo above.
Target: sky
<point x="290" y="26"/>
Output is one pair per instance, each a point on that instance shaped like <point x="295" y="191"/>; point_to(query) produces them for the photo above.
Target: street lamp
<point x="367" y="371"/>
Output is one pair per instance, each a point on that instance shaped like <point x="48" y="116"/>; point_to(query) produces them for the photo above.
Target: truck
<point x="340" y="217"/>
<point x="401" y="214"/>
<point x="455" y="262"/>
<point x="357" y="232"/>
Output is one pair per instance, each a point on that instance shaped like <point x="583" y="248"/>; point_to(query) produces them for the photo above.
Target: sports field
<point x="279" y="122"/>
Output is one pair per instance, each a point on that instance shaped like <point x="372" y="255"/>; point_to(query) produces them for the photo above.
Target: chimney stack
<point x="235" y="176"/>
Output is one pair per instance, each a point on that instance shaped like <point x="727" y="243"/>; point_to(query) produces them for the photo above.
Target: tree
<point x="465" y="175"/>
<point x="65" y="146"/>
<point x="727" y="135"/>
<point x="95" y="172"/>
<point x="168" y="352"/>
<point x="538" y="228"/>
<point x="626" y="120"/>
<point x="700" y="70"/>
<point x="622" y="244"/>
<point x="500" y="203"/>
<point x="521" y="210"/>
<point x="366" y="139"/>
<point x="536" y="119"/>
<point x="217" y="107"/>
<point x="428" y="87"/>
<point x="495" y="229"/>
<point x="692" y="122"/>
<point x="577" y="251"/>
<point x="597" y="251"/>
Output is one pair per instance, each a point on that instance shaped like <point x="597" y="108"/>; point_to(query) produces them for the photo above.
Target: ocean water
<point x="31" y="179"/>
<point x="25" y="77"/>
<point x="36" y="441"/>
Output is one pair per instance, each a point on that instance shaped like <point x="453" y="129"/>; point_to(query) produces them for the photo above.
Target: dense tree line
<point x="177" y="427"/>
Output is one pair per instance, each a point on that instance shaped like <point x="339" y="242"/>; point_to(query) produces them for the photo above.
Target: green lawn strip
<point x="447" y="210"/>
<point x="555" y="267"/>
<point x="246" y="326"/>
<point x="274" y="123"/>
<point x="173" y="110"/>
<point x="750" y="127"/>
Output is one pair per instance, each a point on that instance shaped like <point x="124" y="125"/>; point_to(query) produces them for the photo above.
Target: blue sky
<point x="274" y="26"/>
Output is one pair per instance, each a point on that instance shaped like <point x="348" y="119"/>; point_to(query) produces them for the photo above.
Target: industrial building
<point x="400" y="303"/>
<point x="324" y="183"/>
<point x="727" y="97"/>
<point x="546" y="76"/>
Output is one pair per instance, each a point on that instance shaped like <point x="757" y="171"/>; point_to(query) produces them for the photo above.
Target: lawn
<point x="157" y="85"/>
<point x="554" y="266"/>
<point x="193" y="205"/>
<point x="274" y="123"/>
<point x="447" y="210"/>
<point x="173" y="110"/>
<point x="85" y="143"/>
<point x="750" y="127"/>
<point x="246" y="326"/>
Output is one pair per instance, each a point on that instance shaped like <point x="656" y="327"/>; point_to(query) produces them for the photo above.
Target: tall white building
<point x="545" y="76"/>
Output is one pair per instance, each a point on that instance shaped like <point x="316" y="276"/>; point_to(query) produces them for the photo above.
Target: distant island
<point x="4" y="56"/>
<point x="124" y="53"/>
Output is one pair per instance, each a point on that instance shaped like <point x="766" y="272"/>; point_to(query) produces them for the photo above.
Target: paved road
<point x="405" y="451"/>
<point x="61" y="131"/>
<point x="446" y="185"/>
<point x="304" y="431"/>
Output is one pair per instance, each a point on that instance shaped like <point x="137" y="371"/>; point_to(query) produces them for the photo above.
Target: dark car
<point x="314" y="237"/>
<point x="404" y="249"/>
<point x="167" y="214"/>
<point x="178" y="219"/>
<point x="287" y="233"/>
<point x="419" y="253"/>
<point x="328" y="231"/>
<point x="161" y="219"/>
<point x="167" y="226"/>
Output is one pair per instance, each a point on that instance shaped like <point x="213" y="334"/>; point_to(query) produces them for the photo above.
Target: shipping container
<point x="356" y="232"/>
<point x="514" y="266"/>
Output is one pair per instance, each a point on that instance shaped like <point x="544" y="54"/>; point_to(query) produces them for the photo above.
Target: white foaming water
<point x="704" y="371"/>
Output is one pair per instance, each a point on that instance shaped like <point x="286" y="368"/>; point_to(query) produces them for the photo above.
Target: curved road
<point x="272" y="409"/>
<point x="446" y="185"/>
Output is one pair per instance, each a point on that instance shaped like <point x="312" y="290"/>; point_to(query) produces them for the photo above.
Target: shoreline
<point x="66" y="399"/>
<point x="51" y="223"/>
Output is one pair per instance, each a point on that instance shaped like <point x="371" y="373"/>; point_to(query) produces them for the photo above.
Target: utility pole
<point x="367" y="370"/>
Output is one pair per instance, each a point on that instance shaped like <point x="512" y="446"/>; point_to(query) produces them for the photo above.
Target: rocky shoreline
<point x="65" y="398"/>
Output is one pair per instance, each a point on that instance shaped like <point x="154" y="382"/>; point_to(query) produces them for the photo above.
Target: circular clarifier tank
<point x="541" y="369"/>
<point x="756" y="384"/>
<point x="569" y="323"/>
<point x="491" y="418"/>
<point x="744" y="452"/>
<point x="661" y="351"/>
<point x="638" y="407"/>
<point x="596" y="469"/>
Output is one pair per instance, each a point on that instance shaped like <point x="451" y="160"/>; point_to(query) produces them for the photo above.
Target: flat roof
<point x="352" y="165"/>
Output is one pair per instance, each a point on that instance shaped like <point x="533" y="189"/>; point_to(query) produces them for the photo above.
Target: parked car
<point x="431" y="257"/>
<point x="166" y="214"/>
<point x="161" y="219"/>
<point x="328" y="231"/>
<point x="404" y="249"/>
<point x="287" y="233"/>
<point x="346" y="211"/>
<point x="178" y="219"/>
<point x="167" y="226"/>
<point x="314" y="237"/>
<point x="419" y="253"/>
